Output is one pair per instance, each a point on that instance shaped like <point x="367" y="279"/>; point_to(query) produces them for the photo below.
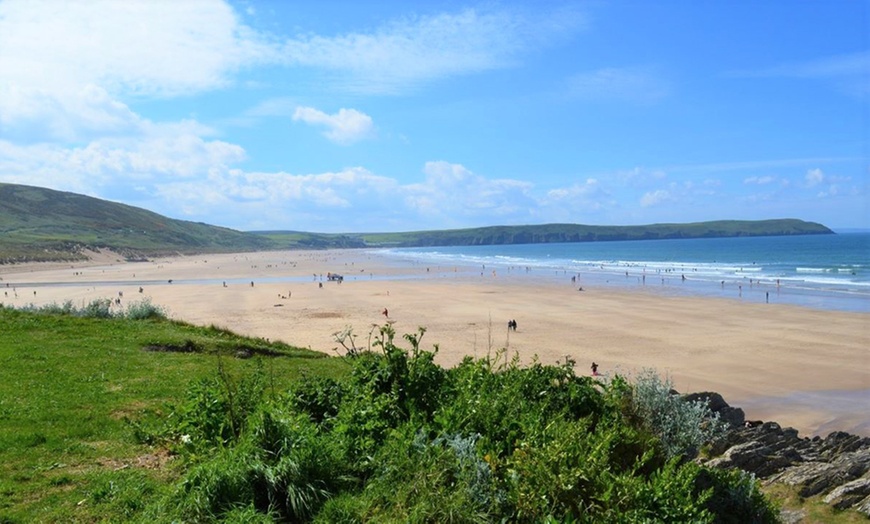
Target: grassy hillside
<point x="71" y="388"/>
<point x="554" y="233"/>
<point x="42" y="224"/>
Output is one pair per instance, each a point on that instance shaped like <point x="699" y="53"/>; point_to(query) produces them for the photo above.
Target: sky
<point x="380" y="116"/>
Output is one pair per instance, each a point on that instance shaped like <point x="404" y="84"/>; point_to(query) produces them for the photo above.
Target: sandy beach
<point x="805" y="368"/>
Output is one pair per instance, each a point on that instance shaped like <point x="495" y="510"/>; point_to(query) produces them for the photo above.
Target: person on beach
<point x="385" y="313"/>
<point x="594" y="369"/>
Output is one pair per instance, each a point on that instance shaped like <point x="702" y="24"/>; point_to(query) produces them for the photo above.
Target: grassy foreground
<point x="69" y="386"/>
<point x="123" y="419"/>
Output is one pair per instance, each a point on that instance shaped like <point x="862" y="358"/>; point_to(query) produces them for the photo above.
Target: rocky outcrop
<point x="836" y="467"/>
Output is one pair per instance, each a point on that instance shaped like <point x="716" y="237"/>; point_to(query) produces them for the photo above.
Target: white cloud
<point x="407" y="51"/>
<point x="65" y="66"/>
<point x="654" y="198"/>
<point x="454" y="195"/>
<point x="345" y="127"/>
<point x="814" y="177"/>
<point x="642" y="85"/>
<point x="151" y="48"/>
<point x="760" y="180"/>
<point x="444" y="174"/>
<point x="91" y="168"/>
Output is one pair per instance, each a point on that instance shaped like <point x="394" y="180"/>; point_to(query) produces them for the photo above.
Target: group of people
<point x="512" y="325"/>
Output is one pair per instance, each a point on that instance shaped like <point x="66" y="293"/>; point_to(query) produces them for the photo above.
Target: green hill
<point x="38" y="224"/>
<point x="555" y="233"/>
<point x="43" y="224"/>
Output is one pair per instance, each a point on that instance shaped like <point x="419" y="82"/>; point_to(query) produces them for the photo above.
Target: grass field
<point x="68" y="387"/>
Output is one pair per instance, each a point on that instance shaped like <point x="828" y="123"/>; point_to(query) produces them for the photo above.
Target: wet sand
<point x="805" y="368"/>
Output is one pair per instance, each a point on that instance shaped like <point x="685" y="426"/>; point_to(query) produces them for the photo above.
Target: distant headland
<point x="44" y="225"/>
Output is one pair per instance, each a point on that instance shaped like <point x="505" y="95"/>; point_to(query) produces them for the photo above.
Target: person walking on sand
<point x="594" y="369"/>
<point x="385" y="313"/>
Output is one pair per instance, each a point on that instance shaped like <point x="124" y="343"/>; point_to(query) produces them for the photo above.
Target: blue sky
<point x="362" y="116"/>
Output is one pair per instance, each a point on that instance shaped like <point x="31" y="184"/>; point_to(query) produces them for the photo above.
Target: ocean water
<point x="819" y="271"/>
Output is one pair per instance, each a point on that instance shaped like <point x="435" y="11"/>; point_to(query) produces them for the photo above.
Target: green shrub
<point x="431" y="480"/>
<point x="319" y="397"/>
<point x="735" y="497"/>
<point x="402" y="440"/>
<point x="683" y="427"/>
<point x="143" y="310"/>
<point x="97" y="308"/>
<point x="215" y="411"/>
<point x="280" y="467"/>
<point x="503" y="405"/>
<point x="569" y="470"/>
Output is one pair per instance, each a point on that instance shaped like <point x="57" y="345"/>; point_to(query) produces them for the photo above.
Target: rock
<point x="714" y="400"/>
<point x="733" y="416"/>
<point x="801" y="475"/>
<point x="815" y="478"/>
<point x="836" y="467"/>
<point x="757" y="458"/>
<point x="849" y="494"/>
<point x="792" y="516"/>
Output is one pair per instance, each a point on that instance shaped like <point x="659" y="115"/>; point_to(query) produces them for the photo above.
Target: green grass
<point x="815" y="511"/>
<point x="68" y="387"/>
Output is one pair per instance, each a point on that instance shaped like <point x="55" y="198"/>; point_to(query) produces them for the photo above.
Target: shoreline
<point x="777" y="361"/>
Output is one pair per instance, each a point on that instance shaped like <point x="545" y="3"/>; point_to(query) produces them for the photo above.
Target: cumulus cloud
<point x="449" y="193"/>
<point x="66" y="66"/>
<point x="814" y="177"/>
<point x="654" y="198"/>
<point x="345" y="127"/>
<point x="125" y="46"/>
<point x="457" y="196"/>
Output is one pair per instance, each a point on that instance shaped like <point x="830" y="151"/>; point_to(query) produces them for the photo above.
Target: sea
<point x="829" y="272"/>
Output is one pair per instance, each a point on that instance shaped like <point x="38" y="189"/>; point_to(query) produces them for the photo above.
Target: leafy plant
<point x="683" y="427"/>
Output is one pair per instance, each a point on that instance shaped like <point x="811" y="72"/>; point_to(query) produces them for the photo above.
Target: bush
<point x="403" y="440"/>
<point x="97" y="308"/>
<point x="143" y="310"/>
<point x="683" y="427"/>
<point x="215" y="411"/>
<point x="280" y="467"/>
<point x="431" y="480"/>
<point x="735" y="497"/>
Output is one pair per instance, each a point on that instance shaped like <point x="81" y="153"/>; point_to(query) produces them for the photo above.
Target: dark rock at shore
<point x="836" y="467"/>
<point x="733" y="416"/>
